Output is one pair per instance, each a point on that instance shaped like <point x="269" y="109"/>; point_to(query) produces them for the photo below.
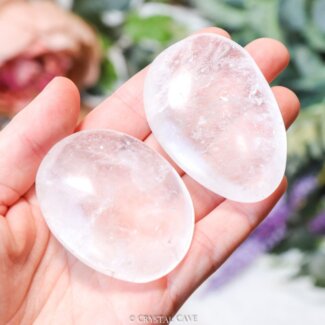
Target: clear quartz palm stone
<point x="116" y="205"/>
<point x="213" y="112"/>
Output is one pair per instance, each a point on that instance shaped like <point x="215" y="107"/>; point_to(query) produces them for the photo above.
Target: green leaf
<point x="264" y="19"/>
<point x="293" y="14"/>
<point x="236" y="3"/>
<point x="107" y="80"/>
<point x="315" y="38"/>
<point x="161" y="29"/>
<point x="307" y="133"/>
<point x="318" y="10"/>
<point x="223" y="14"/>
<point x="86" y="7"/>
<point x="307" y="61"/>
<point x="317" y="268"/>
<point x="139" y="56"/>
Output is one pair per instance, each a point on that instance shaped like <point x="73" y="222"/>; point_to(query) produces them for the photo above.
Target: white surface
<point x="264" y="294"/>
<point x="213" y="112"/>
<point x="116" y="205"/>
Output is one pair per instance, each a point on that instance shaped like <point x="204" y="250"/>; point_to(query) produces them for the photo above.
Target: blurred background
<point x="278" y="275"/>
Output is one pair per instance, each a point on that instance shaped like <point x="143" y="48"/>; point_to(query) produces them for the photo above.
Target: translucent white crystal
<point x="213" y="112"/>
<point x="116" y="205"/>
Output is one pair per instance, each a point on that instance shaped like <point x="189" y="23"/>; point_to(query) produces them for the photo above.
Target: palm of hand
<point x="51" y="286"/>
<point x="40" y="282"/>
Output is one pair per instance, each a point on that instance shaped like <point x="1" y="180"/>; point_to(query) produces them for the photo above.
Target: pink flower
<point x="38" y="42"/>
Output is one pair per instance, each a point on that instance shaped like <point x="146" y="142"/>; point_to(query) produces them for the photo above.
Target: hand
<point x="40" y="283"/>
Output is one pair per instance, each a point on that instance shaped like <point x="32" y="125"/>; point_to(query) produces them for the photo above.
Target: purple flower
<point x="317" y="225"/>
<point x="270" y="232"/>
<point x="301" y="190"/>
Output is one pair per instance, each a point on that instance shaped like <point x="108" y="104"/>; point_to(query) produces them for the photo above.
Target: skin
<point x="40" y="283"/>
